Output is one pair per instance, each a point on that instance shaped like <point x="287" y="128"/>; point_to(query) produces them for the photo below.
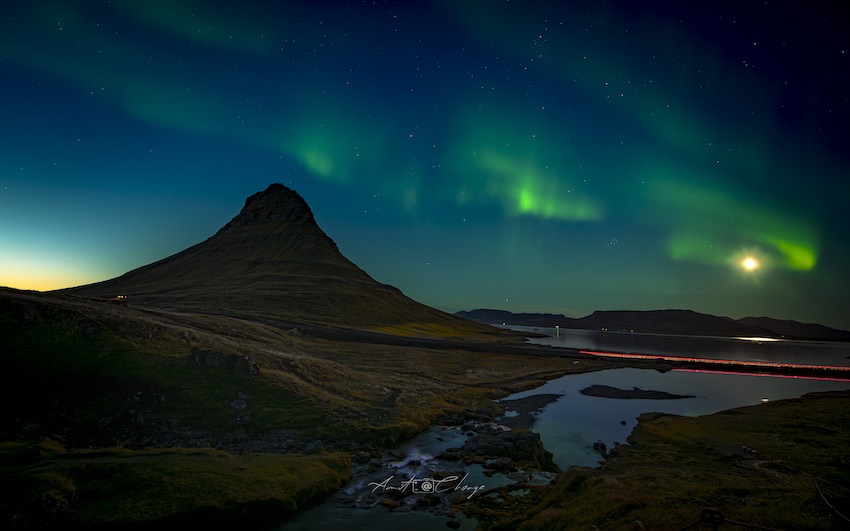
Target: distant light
<point x="749" y="263"/>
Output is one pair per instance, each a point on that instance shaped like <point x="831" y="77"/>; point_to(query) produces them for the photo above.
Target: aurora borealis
<point x="525" y="156"/>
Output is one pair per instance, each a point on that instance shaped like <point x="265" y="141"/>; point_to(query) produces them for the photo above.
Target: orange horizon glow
<point x="41" y="276"/>
<point x="41" y="284"/>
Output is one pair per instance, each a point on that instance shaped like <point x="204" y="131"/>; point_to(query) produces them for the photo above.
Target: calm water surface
<point x="731" y="348"/>
<point x="570" y="426"/>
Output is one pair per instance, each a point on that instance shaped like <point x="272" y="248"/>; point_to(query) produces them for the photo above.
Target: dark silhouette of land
<point x="677" y="322"/>
<point x="606" y="391"/>
<point x="273" y="262"/>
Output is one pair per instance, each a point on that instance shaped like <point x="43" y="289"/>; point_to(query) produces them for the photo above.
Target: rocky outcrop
<point x="520" y="446"/>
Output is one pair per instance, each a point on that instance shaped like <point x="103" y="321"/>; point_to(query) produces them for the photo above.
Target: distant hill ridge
<point x="684" y="322"/>
<point x="273" y="262"/>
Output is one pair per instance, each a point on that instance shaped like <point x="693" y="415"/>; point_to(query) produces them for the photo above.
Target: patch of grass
<point x="757" y="465"/>
<point x="429" y="330"/>
<point x="120" y="486"/>
<point x="88" y="384"/>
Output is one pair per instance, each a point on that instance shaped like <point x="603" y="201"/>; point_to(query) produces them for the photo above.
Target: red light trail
<point x="729" y="363"/>
<point x="769" y="375"/>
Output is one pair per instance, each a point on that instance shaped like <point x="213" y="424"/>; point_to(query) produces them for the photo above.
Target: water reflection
<point x="570" y="426"/>
<point x="733" y="348"/>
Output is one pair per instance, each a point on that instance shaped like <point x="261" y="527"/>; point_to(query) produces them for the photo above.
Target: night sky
<point x="525" y="156"/>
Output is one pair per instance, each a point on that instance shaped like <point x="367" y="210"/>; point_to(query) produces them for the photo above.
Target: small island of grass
<point x="606" y="391"/>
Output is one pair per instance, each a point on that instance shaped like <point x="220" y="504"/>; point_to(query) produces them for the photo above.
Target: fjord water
<point x="727" y="348"/>
<point x="570" y="426"/>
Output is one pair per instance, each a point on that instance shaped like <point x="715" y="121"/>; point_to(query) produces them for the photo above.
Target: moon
<point x="749" y="263"/>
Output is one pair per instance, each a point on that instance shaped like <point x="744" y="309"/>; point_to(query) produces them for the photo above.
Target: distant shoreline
<point x="665" y="322"/>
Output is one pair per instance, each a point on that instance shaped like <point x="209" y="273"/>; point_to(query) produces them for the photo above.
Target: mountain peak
<point x="274" y="204"/>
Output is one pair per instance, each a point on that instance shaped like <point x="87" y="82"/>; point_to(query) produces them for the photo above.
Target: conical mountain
<point x="272" y="261"/>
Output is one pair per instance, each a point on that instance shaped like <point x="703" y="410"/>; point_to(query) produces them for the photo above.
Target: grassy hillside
<point x="104" y="394"/>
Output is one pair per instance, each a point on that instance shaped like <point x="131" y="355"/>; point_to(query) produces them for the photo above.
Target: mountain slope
<point x="272" y="261"/>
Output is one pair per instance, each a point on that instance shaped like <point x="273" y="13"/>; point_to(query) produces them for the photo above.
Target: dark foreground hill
<point x="273" y="262"/>
<point x="682" y="322"/>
